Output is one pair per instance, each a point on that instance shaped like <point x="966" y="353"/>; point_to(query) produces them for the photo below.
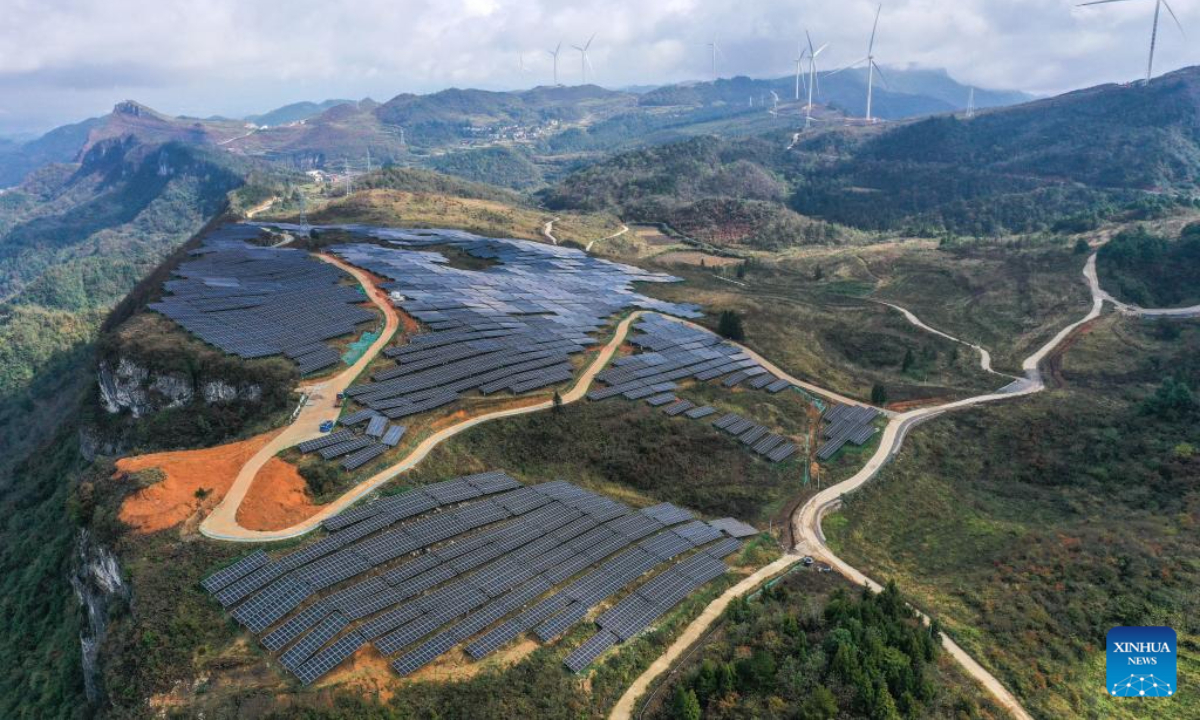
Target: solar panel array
<point x="477" y="561"/>
<point x="672" y="351"/>
<point x="254" y="301"/>
<point x="846" y="424"/>
<point x="511" y="326"/>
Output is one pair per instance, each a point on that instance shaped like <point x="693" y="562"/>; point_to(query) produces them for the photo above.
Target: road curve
<point x="320" y="406"/>
<point x="624" y="229"/>
<point x="806" y="522"/>
<point x="226" y="527"/>
<point x="548" y="230"/>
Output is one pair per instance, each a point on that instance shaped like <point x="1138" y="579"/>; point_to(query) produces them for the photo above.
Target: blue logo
<point x="1141" y="662"/>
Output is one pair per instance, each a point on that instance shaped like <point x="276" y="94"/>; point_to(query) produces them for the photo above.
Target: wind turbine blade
<point x="810" y="44"/>
<point x="1100" y="2"/>
<point x="820" y="50"/>
<point x="854" y="64"/>
<point x="588" y="44"/>
<point x="871" y="47"/>
<point x="1173" y="17"/>
<point x="881" y="77"/>
<point x="559" y="47"/>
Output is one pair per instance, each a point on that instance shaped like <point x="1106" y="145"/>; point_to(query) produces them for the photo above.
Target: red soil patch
<point x="278" y="498"/>
<point x="172" y="501"/>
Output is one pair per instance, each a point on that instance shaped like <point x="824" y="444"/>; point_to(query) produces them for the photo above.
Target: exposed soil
<point x="1054" y="361"/>
<point x="208" y="472"/>
<point x="278" y="498"/>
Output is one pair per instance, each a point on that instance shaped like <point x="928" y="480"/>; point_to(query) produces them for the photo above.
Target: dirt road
<point x="624" y="229"/>
<point x="222" y="522"/>
<point x="226" y="527"/>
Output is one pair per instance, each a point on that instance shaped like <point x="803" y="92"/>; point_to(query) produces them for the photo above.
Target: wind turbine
<point x="813" y="54"/>
<point x="716" y="50"/>
<point x="799" y="65"/>
<point x="872" y="67"/>
<point x="554" y="54"/>
<point x="1158" y="6"/>
<point x="584" y="63"/>
<point x="971" y="104"/>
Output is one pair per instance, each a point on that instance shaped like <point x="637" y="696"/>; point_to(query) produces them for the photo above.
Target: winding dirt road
<point x="319" y="406"/>
<point x="624" y="229"/>
<point x="222" y="522"/>
<point x="806" y="522"/>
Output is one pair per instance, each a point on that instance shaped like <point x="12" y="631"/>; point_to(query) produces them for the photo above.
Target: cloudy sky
<point x="65" y="60"/>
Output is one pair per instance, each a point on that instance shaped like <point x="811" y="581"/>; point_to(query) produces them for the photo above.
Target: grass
<point x="1030" y="528"/>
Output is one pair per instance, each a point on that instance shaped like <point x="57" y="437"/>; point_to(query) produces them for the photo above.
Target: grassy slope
<point x="1031" y="528"/>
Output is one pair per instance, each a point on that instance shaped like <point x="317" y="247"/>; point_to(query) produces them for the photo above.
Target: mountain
<point x="1013" y="168"/>
<point x="1024" y="168"/>
<point x="60" y="145"/>
<point x="295" y="112"/>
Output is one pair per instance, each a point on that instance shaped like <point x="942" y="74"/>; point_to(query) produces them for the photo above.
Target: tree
<point x="878" y="394"/>
<point x="1082" y="247"/>
<point x="907" y="364"/>
<point x="820" y="705"/>
<point x="729" y="325"/>
<point x="558" y="402"/>
<point x="687" y="706"/>
<point x="741" y="271"/>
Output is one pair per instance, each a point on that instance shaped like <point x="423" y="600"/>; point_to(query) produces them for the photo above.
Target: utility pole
<point x="368" y="160"/>
<point x="346" y="165"/>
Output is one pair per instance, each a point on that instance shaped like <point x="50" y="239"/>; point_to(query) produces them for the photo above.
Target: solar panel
<point x="329" y="658"/>
<point x="733" y="528"/>
<point x="236" y="571"/>
<point x="558" y="624"/>
<point x="592" y="648"/>
<point x="308" y="645"/>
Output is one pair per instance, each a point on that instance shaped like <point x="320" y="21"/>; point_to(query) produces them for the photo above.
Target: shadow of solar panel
<point x="236" y="571"/>
<point x="329" y="658"/>
<point x="308" y="645"/>
<point x="592" y="648"/>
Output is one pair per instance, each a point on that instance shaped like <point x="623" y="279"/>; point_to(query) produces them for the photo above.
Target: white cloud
<point x="64" y="59"/>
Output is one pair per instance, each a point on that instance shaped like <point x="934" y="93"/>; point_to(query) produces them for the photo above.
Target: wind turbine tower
<point x="799" y="68"/>
<point x="813" y="54"/>
<point x="584" y="62"/>
<point x="971" y="104"/>
<point x="554" y="54"/>
<point x="715" y="49"/>
<point x="871" y="66"/>
<point x="1158" y="6"/>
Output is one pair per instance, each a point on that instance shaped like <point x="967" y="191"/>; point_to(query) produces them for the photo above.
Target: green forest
<point x="1152" y="271"/>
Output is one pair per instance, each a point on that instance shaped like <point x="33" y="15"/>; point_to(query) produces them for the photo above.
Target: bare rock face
<point x="141" y="391"/>
<point x="96" y="579"/>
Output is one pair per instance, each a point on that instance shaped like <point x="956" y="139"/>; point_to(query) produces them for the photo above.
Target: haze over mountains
<point x="316" y="134"/>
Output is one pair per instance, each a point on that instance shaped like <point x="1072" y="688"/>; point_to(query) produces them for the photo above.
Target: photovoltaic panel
<point x="236" y="571"/>
<point x="329" y="658"/>
<point x="592" y="648"/>
<point x="308" y="645"/>
<point x="733" y="528"/>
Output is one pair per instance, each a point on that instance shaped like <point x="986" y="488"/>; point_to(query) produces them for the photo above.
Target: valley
<point x="575" y="402"/>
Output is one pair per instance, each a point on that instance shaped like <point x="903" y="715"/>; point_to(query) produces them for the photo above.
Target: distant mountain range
<point x="547" y="120"/>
